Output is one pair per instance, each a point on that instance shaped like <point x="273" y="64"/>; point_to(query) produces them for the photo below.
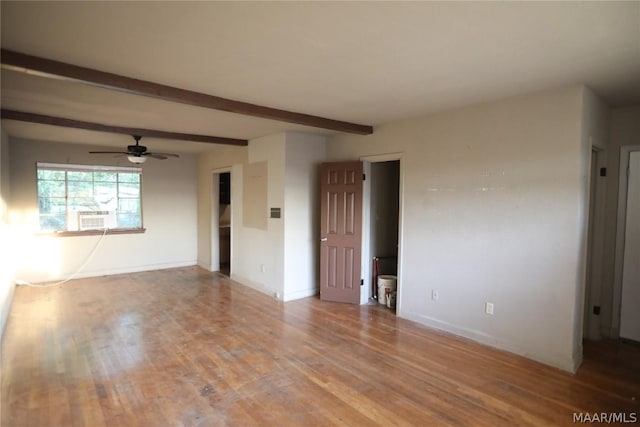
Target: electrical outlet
<point x="488" y="308"/>
<point x="435" y="295"/>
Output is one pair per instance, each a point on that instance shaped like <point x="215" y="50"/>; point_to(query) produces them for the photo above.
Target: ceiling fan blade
<point x="108" y="152"/>
<point x="155" y="156"/>
<point x="162" y="154"/>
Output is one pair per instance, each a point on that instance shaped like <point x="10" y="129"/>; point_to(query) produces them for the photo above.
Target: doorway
<point x="382" y="227"/>
<point x="221" y="224"/>
<point x="224" y="223"/>
<point x="594" y="273"/>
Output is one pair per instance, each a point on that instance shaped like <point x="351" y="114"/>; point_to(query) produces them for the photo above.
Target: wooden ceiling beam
<point x="77" y="124"/>
<point x="46" y="67"/>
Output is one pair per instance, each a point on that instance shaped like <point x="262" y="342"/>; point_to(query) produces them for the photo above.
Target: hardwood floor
<point x="191" y="348"/>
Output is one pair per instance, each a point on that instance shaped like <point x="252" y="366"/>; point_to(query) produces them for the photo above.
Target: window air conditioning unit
<point x="95" y="220"/>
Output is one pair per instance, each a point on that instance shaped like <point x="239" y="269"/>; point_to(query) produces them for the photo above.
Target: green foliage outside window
<point x="64" y="191"/>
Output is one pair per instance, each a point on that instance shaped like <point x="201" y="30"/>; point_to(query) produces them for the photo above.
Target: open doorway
<point x="381" y="231"/>
<point x="224" y="223"/>
<point x="594" y="273"/>
<point x="221" y="226"/>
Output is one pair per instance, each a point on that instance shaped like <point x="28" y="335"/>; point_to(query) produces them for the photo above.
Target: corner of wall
<point x="577" y="360"/>
<point x="7" y="285"/>
<point x="594" y="136"/>
<point x="303" y="156"/>
<point x="6" y="299"/>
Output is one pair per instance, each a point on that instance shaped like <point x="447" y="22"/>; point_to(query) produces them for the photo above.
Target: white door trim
<point x="620" y="232"/>
<point x="593" y="279"/>
<point x="366" y="253"/>
<point x="214" y="235"/>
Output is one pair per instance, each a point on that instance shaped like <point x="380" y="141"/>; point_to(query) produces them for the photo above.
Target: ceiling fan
<point x="138" y="153"/>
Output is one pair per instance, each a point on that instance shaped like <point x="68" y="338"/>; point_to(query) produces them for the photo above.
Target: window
<point x="83" y="197"/>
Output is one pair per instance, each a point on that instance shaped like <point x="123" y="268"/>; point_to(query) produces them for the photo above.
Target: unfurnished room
<point x="319" y="213"/>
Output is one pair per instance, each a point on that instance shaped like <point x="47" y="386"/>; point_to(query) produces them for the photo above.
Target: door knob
<point x="324" y="239"/>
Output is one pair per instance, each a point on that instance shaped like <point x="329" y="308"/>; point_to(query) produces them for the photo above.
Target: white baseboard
<point x="255" y="285"/>
<point x="5" y="306"/>
<point x="275" y="294"/>
<point x="569" y="364"/>
<point x="304" y="293"/>
<point x="106" y="272"/>
<point x="204" y="264"/>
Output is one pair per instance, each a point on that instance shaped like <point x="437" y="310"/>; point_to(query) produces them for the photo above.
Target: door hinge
<point x="603" y="171"/>
<point x="596" y="310"/>
<point x="361" y="282"/>
<point x="364" y="177"/>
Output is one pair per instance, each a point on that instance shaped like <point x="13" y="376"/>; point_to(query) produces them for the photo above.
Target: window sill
<point x="95" y="232"/>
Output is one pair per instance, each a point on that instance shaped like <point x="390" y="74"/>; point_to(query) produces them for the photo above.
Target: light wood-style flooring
<point x="185" y="347"/>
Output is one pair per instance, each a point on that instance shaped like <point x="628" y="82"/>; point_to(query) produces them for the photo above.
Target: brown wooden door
<point x="341" y="231"/>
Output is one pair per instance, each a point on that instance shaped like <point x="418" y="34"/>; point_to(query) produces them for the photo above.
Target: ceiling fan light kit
<point x="137" y="159"/>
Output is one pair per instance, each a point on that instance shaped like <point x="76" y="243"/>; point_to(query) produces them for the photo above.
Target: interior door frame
<point x="214" y="234"/>
<point x="595" y="238"/>
<point x="625" y="151"/>
<point x="366" y="223"/>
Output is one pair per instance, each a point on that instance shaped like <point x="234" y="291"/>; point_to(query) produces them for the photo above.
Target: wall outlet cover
<point x="488" y="308"/>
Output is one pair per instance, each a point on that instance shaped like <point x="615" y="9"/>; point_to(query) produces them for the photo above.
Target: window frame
<point x="69" y="167"/>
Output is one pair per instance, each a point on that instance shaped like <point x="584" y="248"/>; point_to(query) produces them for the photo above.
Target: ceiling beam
<point x="35" y="65"/>
<point x="77" y="124"/>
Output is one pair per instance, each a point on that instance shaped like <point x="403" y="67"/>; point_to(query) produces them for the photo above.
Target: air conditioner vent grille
<point x="92" y="220"/>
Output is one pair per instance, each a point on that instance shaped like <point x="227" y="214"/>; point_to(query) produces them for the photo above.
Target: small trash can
<point x="386" y="284"/>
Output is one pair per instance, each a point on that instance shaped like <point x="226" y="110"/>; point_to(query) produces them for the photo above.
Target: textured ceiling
<point x="363" y="62"/>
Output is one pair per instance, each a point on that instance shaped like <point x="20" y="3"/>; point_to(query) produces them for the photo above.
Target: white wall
<point x="6" y="269"/>
<point x="304" y="154"/>
<point x="281" y="261"/>
<point x="169" y="203"/>
<point x="492" y="204"/>
<point x="257" y="255"/>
